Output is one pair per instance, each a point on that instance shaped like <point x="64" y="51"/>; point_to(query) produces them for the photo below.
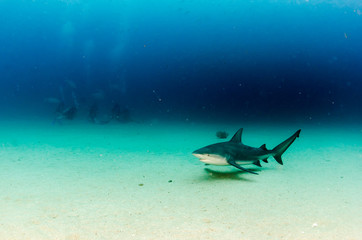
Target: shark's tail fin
<point x="281" y="148"/>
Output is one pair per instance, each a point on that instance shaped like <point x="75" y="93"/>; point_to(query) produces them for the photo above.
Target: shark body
<point x="235" y="153"/>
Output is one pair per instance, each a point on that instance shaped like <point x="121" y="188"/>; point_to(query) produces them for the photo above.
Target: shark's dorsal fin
<point x="237" y="136"/>
<point x="263" y="147"/>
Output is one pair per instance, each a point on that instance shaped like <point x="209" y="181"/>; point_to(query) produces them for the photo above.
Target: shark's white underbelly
<point x="219" y="162"/>
<point x="223" y="162"/>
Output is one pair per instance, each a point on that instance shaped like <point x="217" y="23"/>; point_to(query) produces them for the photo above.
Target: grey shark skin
<point x="235" y="153"/>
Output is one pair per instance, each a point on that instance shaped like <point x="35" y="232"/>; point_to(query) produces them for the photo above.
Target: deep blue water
<point x="216" y="60"/>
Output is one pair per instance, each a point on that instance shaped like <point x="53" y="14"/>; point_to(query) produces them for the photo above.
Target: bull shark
<point x="235" y="153"/>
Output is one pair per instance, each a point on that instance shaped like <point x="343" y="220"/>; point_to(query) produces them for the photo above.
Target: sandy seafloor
<point x="140" y="181"/>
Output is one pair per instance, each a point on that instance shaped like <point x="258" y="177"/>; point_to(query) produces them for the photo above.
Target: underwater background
<point x="291" y="61"/>
<point x="103" y="102"/>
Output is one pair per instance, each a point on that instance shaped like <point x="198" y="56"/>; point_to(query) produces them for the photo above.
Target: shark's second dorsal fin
<point x="237" y="136"/>
<point x="263" y="147"/>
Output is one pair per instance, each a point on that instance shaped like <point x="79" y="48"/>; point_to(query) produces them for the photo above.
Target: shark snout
<point x="198" y="155"/>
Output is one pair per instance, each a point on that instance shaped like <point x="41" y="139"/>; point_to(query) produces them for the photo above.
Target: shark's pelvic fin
<point x="281" y="148"/>
<point x="237" y="136"/>
<point x="257" y="163"/>
<point x="233" y="163"/>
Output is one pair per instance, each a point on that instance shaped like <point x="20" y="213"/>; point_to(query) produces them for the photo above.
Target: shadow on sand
<point x="231" y="175"/>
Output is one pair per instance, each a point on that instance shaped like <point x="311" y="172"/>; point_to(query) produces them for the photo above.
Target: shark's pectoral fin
<point x="257" y="163"/>
<point x="233" y="163"/>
